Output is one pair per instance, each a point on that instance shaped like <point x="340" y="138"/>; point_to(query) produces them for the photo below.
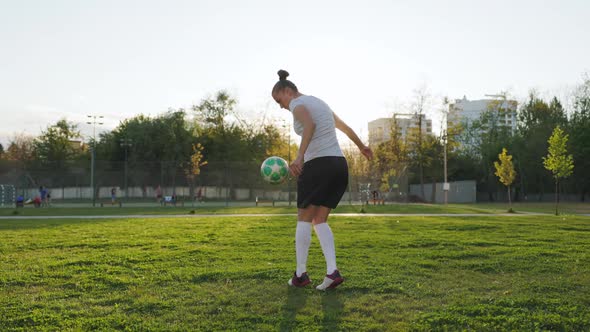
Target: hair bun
<point x="283" y="74"/>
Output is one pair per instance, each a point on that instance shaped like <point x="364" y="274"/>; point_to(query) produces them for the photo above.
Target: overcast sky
<point x="364" y="58"/>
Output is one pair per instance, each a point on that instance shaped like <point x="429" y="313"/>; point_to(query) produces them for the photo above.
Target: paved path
<point x="153" y="216"/>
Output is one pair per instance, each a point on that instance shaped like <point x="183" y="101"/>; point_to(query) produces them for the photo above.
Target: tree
<point x="495" y="135"/>
<point x="234" y="148"/>
<point x="358" y="165"/>
<point x="418" y="107"/>
<point x="433" y="149"/>
<point x="276" y="141"/>
<point x="536" y="120"/>
<point x="215" y="111"/>
<point x="505" y="172"/>
<point x="451" y="130"/>
<point x="1" y="150"/>
<point x="391" y="162"/>
<point x="54" y="145"/>
<point x="162" y="146"/>
<point x="21" y="148"/>
<point x="55" y="148"/>
<point x="482" y="140"/>
<point x="579" y="129"/>
<point x="157" y="147"/>
<point x="225" y="137"/>
<point x="193" y="167"/>
<point x="558" y="161"/>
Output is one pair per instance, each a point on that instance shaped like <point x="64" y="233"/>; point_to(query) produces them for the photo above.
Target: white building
<point x="467" y="111"/>
<point x="380" y="129"/>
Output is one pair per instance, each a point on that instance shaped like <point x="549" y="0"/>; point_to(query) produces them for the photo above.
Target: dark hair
<point x="284" y="82"/>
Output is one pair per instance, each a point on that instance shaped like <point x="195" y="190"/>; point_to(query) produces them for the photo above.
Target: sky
<point x="121" y="58"/>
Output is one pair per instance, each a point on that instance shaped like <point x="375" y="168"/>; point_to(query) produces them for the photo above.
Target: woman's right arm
<point x="302" y="115"/>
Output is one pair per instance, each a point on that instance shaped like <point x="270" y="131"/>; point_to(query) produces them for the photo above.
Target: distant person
<point x="48" y="198"/>
<point x="20" y="201"/>
<point x="159" y="194"/>
<point x="375" y="197"/>
<point x="43" y="195"/>
<point x="113" y="195"/>
<point x="37" y="201"/>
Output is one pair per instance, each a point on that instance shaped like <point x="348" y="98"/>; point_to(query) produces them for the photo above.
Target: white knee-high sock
<point x="302" y="242"/>
<point x="324" y="233"/>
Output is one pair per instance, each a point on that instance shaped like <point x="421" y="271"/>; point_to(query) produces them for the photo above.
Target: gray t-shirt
<point x="323" y="142"/>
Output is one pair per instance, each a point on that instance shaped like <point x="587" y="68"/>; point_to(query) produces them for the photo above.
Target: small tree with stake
<point x="193" y="168"/>
<point x="505" y="171"/>
<point x="558" y="161"/>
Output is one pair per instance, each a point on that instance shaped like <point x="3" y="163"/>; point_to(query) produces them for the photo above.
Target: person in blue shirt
<point x="43" y="194"/>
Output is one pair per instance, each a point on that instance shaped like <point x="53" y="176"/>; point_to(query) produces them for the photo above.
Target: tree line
<point x="211" y="136"/>
<point x="178" y="144"/>
<point x="473" y="147"/>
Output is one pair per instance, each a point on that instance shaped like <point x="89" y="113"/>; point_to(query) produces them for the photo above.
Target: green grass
<point x="415" y="208"/>
<point x="229" y="273"/>
<point x="158" y="210"/>
<point x="545" y="207"/>
<point x="143" y="208"/>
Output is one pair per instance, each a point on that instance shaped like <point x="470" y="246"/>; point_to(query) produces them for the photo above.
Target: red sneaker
<point x="331" y="281"/>
<point x="299" y="281"/>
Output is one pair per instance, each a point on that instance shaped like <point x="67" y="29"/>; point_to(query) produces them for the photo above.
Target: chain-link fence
<point x="220" y="182"/>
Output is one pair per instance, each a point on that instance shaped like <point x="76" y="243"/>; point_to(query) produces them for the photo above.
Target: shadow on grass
<point x="296" y="299"/>
<point x="333" y="308"/>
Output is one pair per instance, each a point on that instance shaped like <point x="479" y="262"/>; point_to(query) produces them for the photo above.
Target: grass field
<point x="59" y="209"/>
<point x="230" y="273"/>
<point x="56" y="210"/>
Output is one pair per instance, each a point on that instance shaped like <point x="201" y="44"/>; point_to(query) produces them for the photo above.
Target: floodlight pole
<point x="287" y="125"/>
<point x="289" y="157"/>
<point x="93" y="122"/>
<point x="126" y="143"/>
<point x="446" y="184"/>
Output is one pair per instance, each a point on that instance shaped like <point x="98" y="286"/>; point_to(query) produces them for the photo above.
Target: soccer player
<point x="322" y="175"/>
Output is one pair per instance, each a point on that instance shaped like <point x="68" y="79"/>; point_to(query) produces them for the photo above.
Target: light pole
<point x="445" y="184"/>
<point x="445" y="132"/>
<point x="289" y="179"/>
<point x="126" y="143"/>
<point x="93" y="122"/>
<point x="288" y="126"/>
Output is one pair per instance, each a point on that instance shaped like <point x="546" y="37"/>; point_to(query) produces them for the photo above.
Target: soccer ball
<point x="274" y="170"/>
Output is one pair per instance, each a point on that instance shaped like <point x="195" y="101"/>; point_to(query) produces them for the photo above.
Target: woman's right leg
<point x="326" y="238"/>
<point x="302" y="243"/>
<point x="303" y="237"/>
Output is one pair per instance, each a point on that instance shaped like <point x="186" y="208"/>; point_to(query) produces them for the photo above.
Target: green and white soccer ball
<point x="274" y="170"/>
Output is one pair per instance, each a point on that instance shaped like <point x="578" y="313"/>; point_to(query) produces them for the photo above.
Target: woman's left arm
<point x="343" y="127"/>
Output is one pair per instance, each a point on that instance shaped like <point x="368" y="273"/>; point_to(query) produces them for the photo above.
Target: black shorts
<point x="322" y="182"/>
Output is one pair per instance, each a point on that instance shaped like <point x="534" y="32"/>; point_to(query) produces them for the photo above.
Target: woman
<point x="322" y="175"/>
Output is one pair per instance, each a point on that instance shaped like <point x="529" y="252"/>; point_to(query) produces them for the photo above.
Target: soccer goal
<point x="365" y="192"/>
<point x="7" y="195"/>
